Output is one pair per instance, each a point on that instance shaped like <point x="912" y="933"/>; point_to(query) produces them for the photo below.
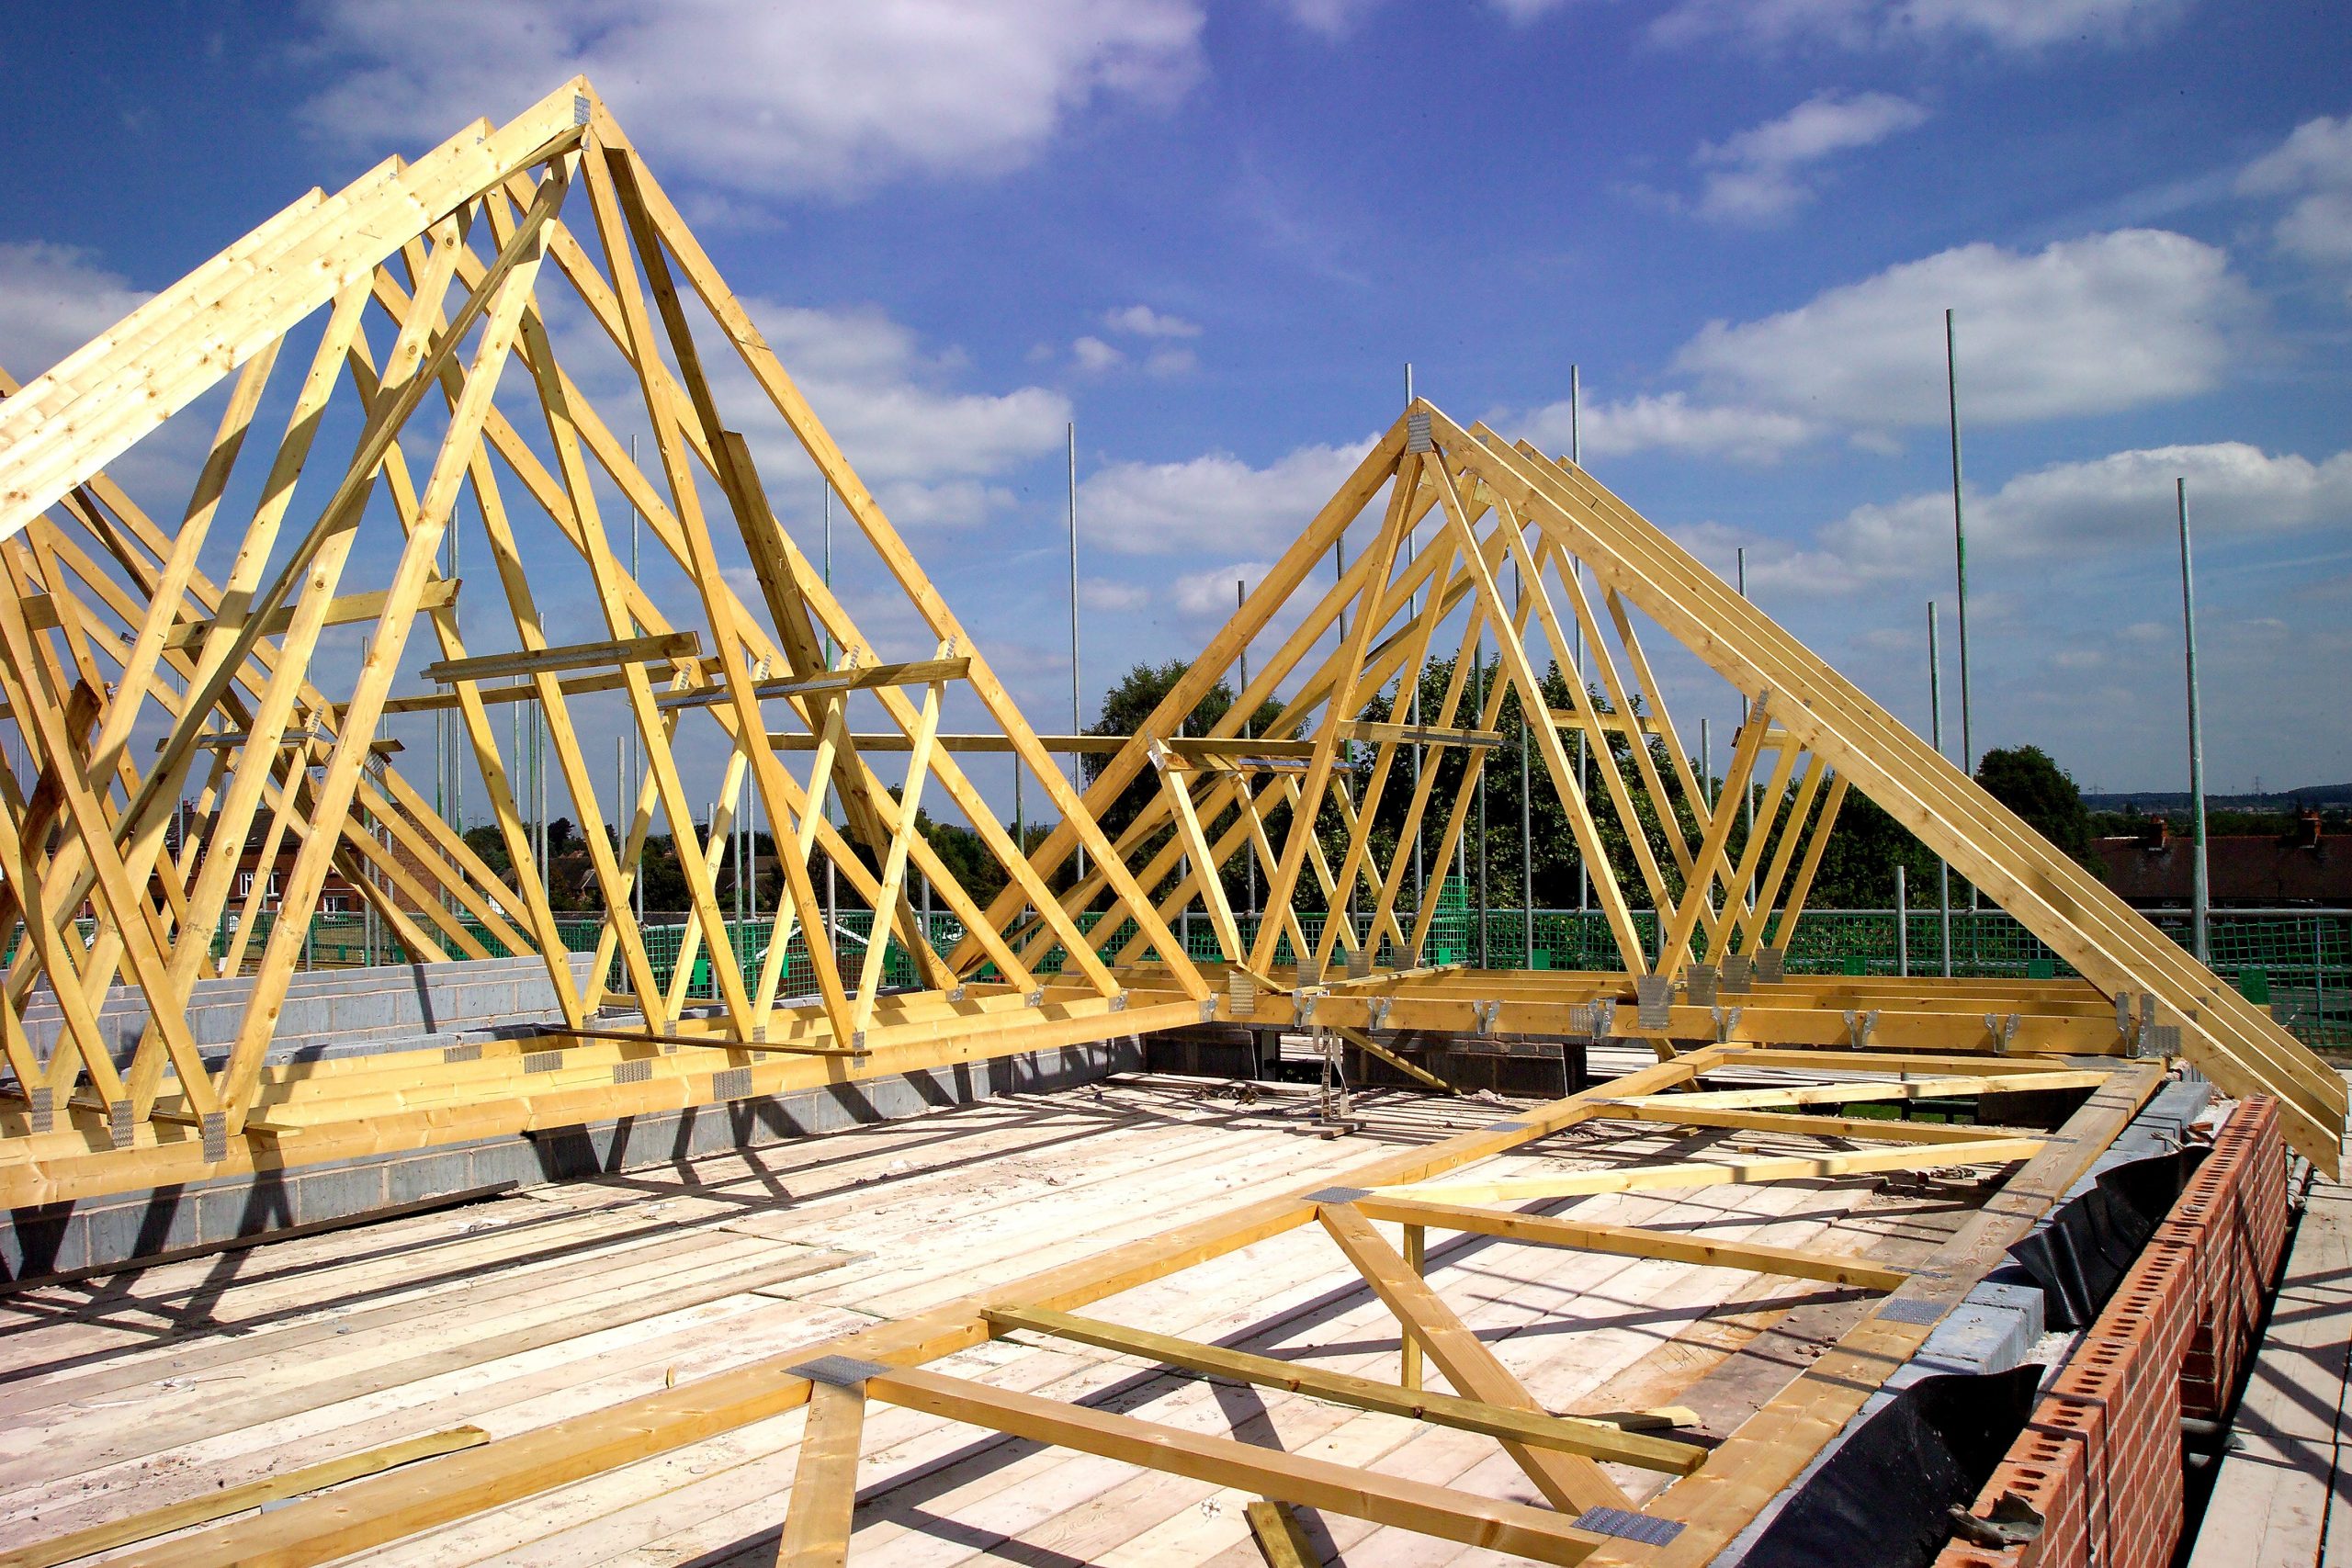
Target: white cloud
<point x="1670" y="423"/>
<point x="1100" y="593"/>
<point x="766" y="96"/>
<point x="1212" y="502"/>
<point x="54" y="298"/>
<point x="1210" y="593"/>
<point x="2314" y="165"/>
<point x="1332" y="18"/>
<point x="1519" y="13"/>
<point x="2318" y="152"/>
<point x="2320" y="227"/>
<point x="1142" y="321"/>
<point x="2081" y="327"/>
<point x="927" y="448"/>
<point x="1755" y="176"/>
<point x="1092" y="355"/>
<point x="888" y="405"/>
<point x="957" y="503"/>
<point x="2022" y="26"/>
<point x="1173" y="362"/>
<point x="2066" y="513"/>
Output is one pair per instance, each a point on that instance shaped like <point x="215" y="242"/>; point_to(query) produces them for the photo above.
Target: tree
<point x="2028" y="782"/>
<point x="1858" y="863"/>
<point x="1134" y="699"/>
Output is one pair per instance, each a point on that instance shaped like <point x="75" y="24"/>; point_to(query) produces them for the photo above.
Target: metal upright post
<point x="1077" y="712"/>
<point x="1936" y="725"/>
<point x="457" y="764"/>
<point x="441" y="740"/>
<point x="1959" y="566"/>
<point x="539" y="771"/>
<point x="2199" y="887"/>
<point x="1959" y="548"/>
<point x="636" y="776"/>
<point x="1249" y="849"/>
<point x="1575" y="447"/>
<point x="1584" y="739"/>
<point x="1747" y="786"/>
<point x="522" y="786"/>
<point x="1485" y="958"/>
<point x="1413" y="714"/>
<point x="1413" y="711"/>
<point x="1526" y="805"/>
<point x="1901" y="925"/>
<point x="1339" y="574"/>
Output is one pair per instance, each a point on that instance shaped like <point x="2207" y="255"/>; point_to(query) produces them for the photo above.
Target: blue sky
<point x="1213" y="234"/>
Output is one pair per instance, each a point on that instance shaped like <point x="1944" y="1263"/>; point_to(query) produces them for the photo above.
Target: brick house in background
<point x="339" y="896"/>
<point x="2152" y="869"/>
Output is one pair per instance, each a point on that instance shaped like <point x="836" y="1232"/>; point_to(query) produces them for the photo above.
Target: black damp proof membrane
<point x="2082" y="1254"/>
<point x="1884" y="1498"/>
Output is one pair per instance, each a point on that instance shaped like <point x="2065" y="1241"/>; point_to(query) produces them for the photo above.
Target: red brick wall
<point x="2100" y="1460"/>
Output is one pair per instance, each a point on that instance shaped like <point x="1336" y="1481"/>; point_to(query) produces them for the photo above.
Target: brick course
<point x="2102" y="1461"/>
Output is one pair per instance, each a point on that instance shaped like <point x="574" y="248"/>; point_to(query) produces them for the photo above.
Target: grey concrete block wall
<point x="336" y="1011"/>
<point x="60" y="1237"/>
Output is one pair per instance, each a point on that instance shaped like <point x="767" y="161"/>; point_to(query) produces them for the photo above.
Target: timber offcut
<point x="843" y="1216"/>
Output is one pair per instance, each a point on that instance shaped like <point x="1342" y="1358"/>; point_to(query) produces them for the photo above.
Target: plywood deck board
<point x="926" y="1210"/>
<point x="2278" y="1500"/>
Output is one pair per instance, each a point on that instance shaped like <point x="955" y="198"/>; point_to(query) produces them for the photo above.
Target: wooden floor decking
<point x="120" y="1395"/>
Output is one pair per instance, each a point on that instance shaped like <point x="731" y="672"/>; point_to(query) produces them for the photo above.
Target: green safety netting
<point x="2299" y="962"/>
